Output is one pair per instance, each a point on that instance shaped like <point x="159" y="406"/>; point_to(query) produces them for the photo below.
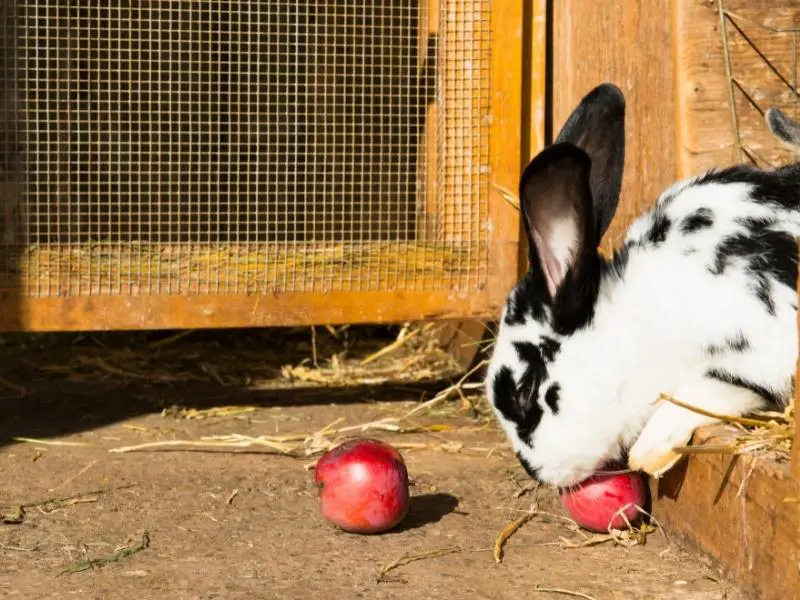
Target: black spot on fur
<point x="525" y="301"/>
<point x="549" y="348"/>
<point x="551" y="397"/>
<point x="504" y="392"/>
<point x="738" y="343"/>
<point x="532" y="471"/>
<point x="528" y="353"/>
<point x="763" y="291"/>
<point x="575" y="304"/>
<point x="702" y="218"/>
<point x="659" y="229"/>
<point x="519" y="403"/>
<point x="767" y="254"/>
<point x="772" y="399"/>
<point x="777" y="187"/>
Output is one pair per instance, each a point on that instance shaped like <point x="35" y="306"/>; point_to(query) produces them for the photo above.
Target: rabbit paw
<point x="653" y="452"/>
<point x="671" y="426"/>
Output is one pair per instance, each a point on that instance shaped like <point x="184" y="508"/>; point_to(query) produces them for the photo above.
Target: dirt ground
<point x="246" y="523"/>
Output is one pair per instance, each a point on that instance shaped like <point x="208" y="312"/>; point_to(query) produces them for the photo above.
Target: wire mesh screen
<point x="226" y="146"/>
<point x="761" y="52"/>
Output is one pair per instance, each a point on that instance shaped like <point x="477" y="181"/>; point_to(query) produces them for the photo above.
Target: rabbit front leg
<point x="671" y="426"/>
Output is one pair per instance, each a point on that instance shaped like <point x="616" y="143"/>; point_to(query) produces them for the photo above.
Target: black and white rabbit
<point x="699" y="302"/>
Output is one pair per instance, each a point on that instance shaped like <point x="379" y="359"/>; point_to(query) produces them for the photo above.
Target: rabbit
<point x="698" y="302"/>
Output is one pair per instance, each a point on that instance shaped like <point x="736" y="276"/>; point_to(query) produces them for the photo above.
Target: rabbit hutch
<point x="251" y="163"/>
<point x="257" y="163"/>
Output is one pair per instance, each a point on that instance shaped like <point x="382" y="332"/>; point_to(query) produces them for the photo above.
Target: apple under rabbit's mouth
<point x="613" y="498"/>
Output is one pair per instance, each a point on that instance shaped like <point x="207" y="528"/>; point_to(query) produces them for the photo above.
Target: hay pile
<point x="135" y="268"/>
<point x="767" y="434"/>
<point x="257" y="359"/>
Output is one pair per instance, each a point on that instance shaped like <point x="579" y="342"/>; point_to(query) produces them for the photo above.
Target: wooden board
<point x="706" y="128"/>
<point x="626" y="43"/>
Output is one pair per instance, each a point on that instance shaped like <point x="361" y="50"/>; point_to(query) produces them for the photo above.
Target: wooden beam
<point x="190" y="311"/>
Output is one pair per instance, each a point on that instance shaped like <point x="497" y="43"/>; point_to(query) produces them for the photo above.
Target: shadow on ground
<point x="53" y="409"/>
<point x="59" y="384"/>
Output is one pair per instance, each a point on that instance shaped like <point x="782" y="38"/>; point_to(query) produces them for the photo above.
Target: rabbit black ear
<point x="568" y="195"/>
<point x="597" y="126"/>
<point x="556" y="205"/>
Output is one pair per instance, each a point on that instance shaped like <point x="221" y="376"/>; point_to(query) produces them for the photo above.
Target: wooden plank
<point x="742" y="520"/>
<point x="505" y="151"/>
<point x="795" y="466"/>
<point x="796" y="443"/>
<point x="707" y="130"/>
<point x="535" y="92"/>
<point x="461" y="339"/>
<point x="705" y="136"/>
<point x="189" y="311"/>
<point x="629" y="44"/>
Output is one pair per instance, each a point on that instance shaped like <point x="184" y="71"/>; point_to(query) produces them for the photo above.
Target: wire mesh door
<point x="256" y="162"/>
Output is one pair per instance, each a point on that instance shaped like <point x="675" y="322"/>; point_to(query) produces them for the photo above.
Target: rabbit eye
<point x="551" y="397"/>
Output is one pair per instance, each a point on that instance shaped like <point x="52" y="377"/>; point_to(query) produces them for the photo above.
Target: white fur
<point x="648" y="336"/>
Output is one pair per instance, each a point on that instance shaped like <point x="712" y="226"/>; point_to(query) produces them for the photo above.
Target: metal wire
<point x="226" y="146"/>
<point x="760" y="57"/>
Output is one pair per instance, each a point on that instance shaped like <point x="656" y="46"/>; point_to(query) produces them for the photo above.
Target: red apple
<point x="599" y="502"/>
<point x="363" y="486"/>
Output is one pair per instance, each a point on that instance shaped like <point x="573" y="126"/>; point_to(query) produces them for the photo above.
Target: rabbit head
<point x="541" y="380"/>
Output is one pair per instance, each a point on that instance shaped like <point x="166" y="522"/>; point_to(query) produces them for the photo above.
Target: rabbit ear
<point x="783" y="128"/>
<point x="597" y="126"/>
<point x="556" y="205"/>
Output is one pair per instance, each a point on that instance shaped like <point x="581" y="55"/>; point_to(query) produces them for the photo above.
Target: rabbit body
<point x="699" y="303"/>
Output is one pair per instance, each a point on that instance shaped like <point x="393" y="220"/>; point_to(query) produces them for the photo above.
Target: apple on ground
<point x="363" y="486"/>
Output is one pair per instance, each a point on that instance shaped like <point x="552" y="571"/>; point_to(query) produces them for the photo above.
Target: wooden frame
<point x="127" y="312"/>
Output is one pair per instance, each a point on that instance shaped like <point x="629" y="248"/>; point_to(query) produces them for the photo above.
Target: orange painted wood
<point x="795" y="466"/>
<point x="507" y="64"/>
<point x="461" y="337"/>
<point x="96" y="313"/>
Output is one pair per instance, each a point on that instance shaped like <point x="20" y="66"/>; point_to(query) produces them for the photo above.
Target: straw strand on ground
<point x="409" y="558"/>
<point x="121" y="554"/>
<point x="563" y="592"/>
<point x="508" y="531"/>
